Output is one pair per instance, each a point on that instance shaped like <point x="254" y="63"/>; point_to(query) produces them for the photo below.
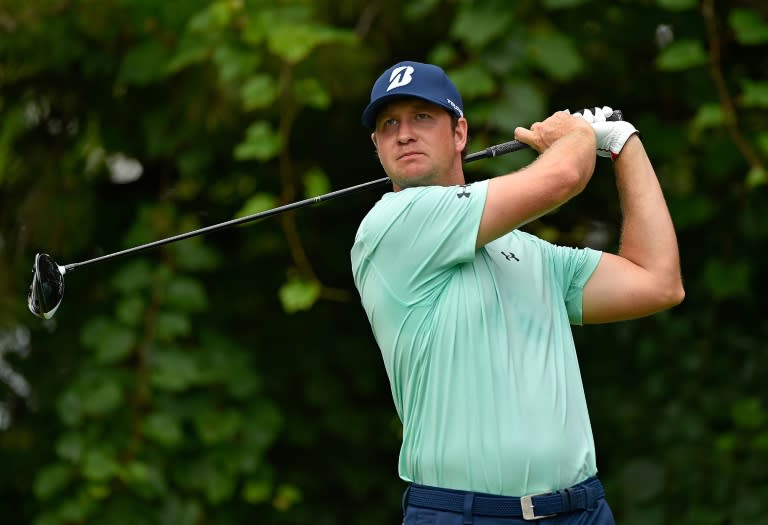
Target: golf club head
<point x="47" y="288"/>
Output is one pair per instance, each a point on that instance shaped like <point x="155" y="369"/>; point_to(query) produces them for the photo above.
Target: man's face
<point x="417" y="144"/>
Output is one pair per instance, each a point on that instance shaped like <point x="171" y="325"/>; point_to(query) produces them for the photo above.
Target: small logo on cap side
<point x="401" y="76"/>
<point x="456" y="108"/>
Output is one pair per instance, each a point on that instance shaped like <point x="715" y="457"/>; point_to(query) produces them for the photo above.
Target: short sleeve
<point x="414" y="237"/>
<point x="573" y="268"/>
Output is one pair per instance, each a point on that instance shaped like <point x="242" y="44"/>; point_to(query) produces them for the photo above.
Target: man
<point x="473" y="315"/>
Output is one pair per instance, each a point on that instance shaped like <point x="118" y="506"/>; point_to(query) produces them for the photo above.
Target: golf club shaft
<point x="493" y="151"/>
<point x="234" y="222"/>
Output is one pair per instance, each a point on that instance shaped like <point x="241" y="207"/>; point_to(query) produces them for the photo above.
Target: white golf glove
<point x="611" y="135"/>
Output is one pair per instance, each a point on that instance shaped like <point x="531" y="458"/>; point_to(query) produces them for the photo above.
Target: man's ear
<point x="461" y="134"/>
<point x="376" y="145"/>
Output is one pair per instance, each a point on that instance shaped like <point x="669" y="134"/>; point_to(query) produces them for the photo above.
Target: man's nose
<point x="404" y="131"/>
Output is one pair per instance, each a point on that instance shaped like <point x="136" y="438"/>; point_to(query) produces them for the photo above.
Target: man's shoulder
<point x="391" y="202"/>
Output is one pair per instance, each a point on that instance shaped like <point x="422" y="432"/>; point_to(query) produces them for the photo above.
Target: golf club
<point x="47" y="288"/>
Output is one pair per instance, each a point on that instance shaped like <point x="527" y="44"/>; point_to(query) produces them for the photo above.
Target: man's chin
<point x="413" y="180"/>
<point x="410" y="183"/>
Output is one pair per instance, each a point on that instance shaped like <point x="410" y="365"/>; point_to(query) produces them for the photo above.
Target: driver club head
<point x="47" y="288"/>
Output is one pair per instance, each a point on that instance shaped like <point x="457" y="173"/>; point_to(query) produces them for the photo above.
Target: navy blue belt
<point x="531" y="507"/>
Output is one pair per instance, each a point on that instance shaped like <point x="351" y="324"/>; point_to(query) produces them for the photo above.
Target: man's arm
<point x="567" y="146"/>
<point x="644" y="277"/>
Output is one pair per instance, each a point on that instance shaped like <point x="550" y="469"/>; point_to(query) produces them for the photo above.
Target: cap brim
<point x="371" y="112"/>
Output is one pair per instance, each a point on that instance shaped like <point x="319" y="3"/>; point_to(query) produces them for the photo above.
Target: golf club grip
<point x="516" y="145"/>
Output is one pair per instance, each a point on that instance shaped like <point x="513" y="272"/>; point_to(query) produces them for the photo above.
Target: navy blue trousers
<point x="598" y="513"/>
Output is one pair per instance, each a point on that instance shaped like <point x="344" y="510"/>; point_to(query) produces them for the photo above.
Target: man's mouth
<point x="409" y="155"/>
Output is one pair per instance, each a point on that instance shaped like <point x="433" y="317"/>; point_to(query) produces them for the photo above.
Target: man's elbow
<point x="672" y="295"/>
<point x="573" y="180"/>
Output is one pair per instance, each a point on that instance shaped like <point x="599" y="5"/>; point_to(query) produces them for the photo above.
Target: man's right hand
<point x="567" y="161"/>
<point x="541" y="135"/>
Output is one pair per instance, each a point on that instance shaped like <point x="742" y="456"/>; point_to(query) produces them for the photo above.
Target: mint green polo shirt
<point x="477" y="344"/>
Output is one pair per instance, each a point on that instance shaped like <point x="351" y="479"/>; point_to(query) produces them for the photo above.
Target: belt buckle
<point x="529" y="513"/>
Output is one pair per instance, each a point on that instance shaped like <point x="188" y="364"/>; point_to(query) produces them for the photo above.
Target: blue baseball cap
<point x="413" y="79"/>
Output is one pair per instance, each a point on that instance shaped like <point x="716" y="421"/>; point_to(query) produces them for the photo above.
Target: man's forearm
<point x="648" y="236"/>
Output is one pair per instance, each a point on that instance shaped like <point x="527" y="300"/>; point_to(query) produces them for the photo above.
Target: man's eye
<point x="388" y="123"/>
<point x="423" y="116"/>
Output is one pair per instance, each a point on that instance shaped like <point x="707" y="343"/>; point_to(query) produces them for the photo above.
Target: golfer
<point x="472" y="314"/>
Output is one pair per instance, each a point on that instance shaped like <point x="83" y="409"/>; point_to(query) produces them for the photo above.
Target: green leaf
<point x="261" y="143"/>
<point x="286" y="496"/>
<point x="235" y="63"/>
<point x="754" y="94"/>
<point x="520" y="104"/>
<point x="257" y="491"/>
<point x="110" y="341"/>
<point x="563" y="4"/>
<point x="259" y="91"/>
<point x="173" y="370"/>
<point x="99" y="465"/>
<point x="443" y="53"/>
<point x="147" y="480"/>
<point x="212" y="19"/>
<point x="70" y="446"/>
<point x="12" y="125"/>
<point x="134" y="473"/>
<point x="749" y="413"/>
<point x="299" y="294"/>
<point x="682" y="55"/>
<point x="261" y="425"/>
<point x="180" y="512"/>
<point x="677" y="5"/>
<point x="556" y="54"/>
<point x="215" y="426"/>
<point x="310" y="91"/>
<point x="416" y="9"/>
<point x="130" y="310"/>
<point x="51" y="479"/>
<point x="473" y="81"/>
<point x="293" y="42"/>
<point x="194" y="255"/>
<point x="478" y="25"/>
<point x="727" y="280"/>
<point x="219" y="486"/>
<point x="191" y="50"/>
<point x="749" y="27"/>
<point x="171" y="325"/>
<point x="757" y="176"/>
<point x="186" y="294"/>
<point x="708" y="116"/>
<point x="75" y="510"/>
<point x="101" y="395"/>
<point x="163" y="428"/>
<point x="257" y="204"/>
<point x="760" y="443"/>
<point x="315" y="183"/>
<point x="70" y="408"/>
<point x="133" y="276"/>
<point x="145" y="63"/>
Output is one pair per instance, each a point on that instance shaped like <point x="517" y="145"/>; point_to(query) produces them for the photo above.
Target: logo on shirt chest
<point x="509" y="256"/>
<point x="463" y="191"/>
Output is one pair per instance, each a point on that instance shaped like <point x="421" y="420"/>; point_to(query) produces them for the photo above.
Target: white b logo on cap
<point x="401" y="76"/>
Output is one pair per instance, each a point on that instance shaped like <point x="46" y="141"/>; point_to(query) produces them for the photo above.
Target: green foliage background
<point x="233" y="378"/>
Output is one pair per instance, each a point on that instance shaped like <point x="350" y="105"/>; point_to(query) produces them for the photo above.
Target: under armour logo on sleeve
<point x="463" y="192"/>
